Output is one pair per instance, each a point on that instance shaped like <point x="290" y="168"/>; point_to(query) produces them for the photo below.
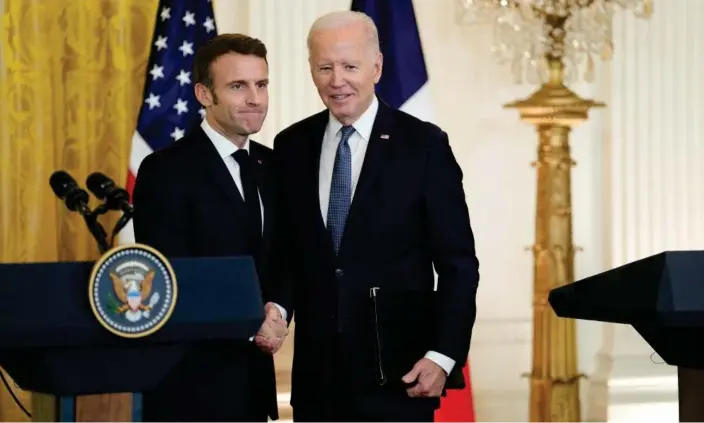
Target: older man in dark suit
<point x="373" y="202"/>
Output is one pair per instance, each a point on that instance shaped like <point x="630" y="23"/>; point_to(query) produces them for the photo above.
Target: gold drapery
<point x="70" y="90"/>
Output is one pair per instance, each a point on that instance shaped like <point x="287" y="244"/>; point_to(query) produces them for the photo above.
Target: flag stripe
<point x="420" y="104"/>
<point x="140" y="150"/>
<point x="404" y="65"/>
<point x="458" y="405"/>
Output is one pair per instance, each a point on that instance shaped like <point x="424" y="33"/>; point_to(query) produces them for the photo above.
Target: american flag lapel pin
<point x="384" y="136"/>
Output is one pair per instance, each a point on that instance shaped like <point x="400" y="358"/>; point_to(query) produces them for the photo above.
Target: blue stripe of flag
<point x="404" y="71"/>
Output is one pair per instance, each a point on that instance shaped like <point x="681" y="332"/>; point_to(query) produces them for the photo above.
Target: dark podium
<point x="52" y="345"/>
<point x="662" y="297"/>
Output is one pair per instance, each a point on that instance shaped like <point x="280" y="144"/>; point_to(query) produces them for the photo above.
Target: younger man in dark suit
<point x="210" y="194"/>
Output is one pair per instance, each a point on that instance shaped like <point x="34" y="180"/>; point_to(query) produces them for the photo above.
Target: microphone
<point x="76" y="199"/>
<point x="114" y="197"/>
<point x="66" y="188"/>
<point x="104" y="188"/>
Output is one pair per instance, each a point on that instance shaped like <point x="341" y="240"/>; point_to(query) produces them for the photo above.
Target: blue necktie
<point x="340" y="188"/>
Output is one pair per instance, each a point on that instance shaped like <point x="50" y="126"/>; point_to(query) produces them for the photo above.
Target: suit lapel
<point x="261" y="173"/>
<point x="215" y="168"/>
<point x="375" y="160"/>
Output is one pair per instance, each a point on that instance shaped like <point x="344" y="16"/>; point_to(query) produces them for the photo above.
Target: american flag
<point x="169" y="109"/>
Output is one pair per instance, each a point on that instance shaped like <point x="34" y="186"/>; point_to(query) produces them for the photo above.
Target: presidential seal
<point x="132" y="290"/>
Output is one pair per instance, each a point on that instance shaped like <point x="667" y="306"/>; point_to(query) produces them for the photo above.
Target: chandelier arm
<point x="538" y="12"/>
<point x="514" y="3"/>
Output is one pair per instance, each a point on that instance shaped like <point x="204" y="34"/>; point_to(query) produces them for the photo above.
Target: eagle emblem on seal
<point x="132" y="292"/>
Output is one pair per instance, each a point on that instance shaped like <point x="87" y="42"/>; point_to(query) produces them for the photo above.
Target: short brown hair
<point x="219" y="46"/>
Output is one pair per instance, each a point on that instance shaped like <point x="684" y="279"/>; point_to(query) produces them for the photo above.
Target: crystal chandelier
<point x="529" y="33"/>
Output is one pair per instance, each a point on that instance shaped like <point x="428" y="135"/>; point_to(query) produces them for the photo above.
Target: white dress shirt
<point x="358" y="142"/>
<point x="226" y="149"/>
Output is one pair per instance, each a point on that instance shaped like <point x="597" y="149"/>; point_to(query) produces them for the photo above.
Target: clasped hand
<point x="273" y="331"/>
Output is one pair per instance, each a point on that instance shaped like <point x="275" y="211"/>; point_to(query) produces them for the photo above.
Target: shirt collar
<point x="363" y="125"/>
<point x="224" y="146"/>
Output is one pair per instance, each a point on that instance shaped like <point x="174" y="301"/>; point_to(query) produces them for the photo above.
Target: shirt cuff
<point x="441" y="360"/>
<point x="282" y="311"/>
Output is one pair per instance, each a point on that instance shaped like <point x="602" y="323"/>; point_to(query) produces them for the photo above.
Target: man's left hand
<point x="430" y="377"/>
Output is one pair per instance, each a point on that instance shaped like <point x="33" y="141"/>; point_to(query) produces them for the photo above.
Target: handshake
<point x="273" y="331"/>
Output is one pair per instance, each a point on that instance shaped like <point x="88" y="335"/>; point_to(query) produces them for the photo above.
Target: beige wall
<point x="615" y="151"/>
<point x="656" y="145"/>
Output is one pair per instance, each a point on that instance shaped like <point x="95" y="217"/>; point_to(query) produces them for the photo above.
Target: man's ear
<point x="203" y="95"/>
<point x="378" y="64"/>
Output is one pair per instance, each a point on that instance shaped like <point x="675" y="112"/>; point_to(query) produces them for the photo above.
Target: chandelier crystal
<point x="528" y="33"/>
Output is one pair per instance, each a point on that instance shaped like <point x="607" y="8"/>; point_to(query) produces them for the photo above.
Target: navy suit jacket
<point x="187" y="205"/>
<point x="408" y="214"/>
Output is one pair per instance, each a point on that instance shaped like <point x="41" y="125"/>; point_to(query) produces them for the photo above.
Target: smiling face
<point x="345" y="66"/>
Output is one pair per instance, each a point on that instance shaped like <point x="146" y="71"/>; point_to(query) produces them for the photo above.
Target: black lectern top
<point x="661" y="296"/>
<point x="51" y="342"/>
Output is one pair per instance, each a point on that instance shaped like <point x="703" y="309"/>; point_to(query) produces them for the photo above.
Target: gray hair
<point x="345" y="18"/>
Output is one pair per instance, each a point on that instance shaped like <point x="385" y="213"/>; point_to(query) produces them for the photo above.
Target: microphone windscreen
<point x="99" y="184"/>
<point x="62" y="183"/>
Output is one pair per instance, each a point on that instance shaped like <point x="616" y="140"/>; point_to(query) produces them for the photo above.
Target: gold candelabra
<point x="554" y="110"/>
<point x="547" y="41"/>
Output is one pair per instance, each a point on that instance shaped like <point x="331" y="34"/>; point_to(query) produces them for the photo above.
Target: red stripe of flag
<point x="130" y="184"/>
<point x="458" y="405"/>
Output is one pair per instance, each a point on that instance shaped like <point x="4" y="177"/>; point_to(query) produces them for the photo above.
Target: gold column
<point x="554" y="109"/>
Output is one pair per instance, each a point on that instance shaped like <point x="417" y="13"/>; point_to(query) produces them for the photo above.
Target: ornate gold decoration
<point x="71" y="87"/>
<point x="554" y="389"/>
<point x="550" y="37"/>
<point x="574" y="31"/>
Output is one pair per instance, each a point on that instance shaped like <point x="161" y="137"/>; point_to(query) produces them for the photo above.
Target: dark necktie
<point x="251" y="195"/>
<point x="340" y="188"/>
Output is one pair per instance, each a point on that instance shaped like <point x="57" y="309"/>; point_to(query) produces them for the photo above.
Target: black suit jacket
<point x="187" y="205"/>
<point x="408" y="213"/>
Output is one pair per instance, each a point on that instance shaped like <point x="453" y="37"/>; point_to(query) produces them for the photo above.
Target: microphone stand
<point x="95" y="228"/>
<point x="121" y="223"/>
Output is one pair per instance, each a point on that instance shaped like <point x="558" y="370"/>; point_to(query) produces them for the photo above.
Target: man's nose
<point x="253" y="99"/>
<point x="337" y="78"/>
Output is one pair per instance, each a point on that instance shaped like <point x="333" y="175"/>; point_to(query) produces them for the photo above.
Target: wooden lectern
<point x="52" y="345"/>
<point x="662" y="297"/>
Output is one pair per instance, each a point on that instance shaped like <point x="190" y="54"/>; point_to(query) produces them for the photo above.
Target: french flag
<point x="404" y="85"/>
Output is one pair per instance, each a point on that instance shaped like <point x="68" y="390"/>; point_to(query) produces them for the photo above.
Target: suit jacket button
<point x="339" y="272"/>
